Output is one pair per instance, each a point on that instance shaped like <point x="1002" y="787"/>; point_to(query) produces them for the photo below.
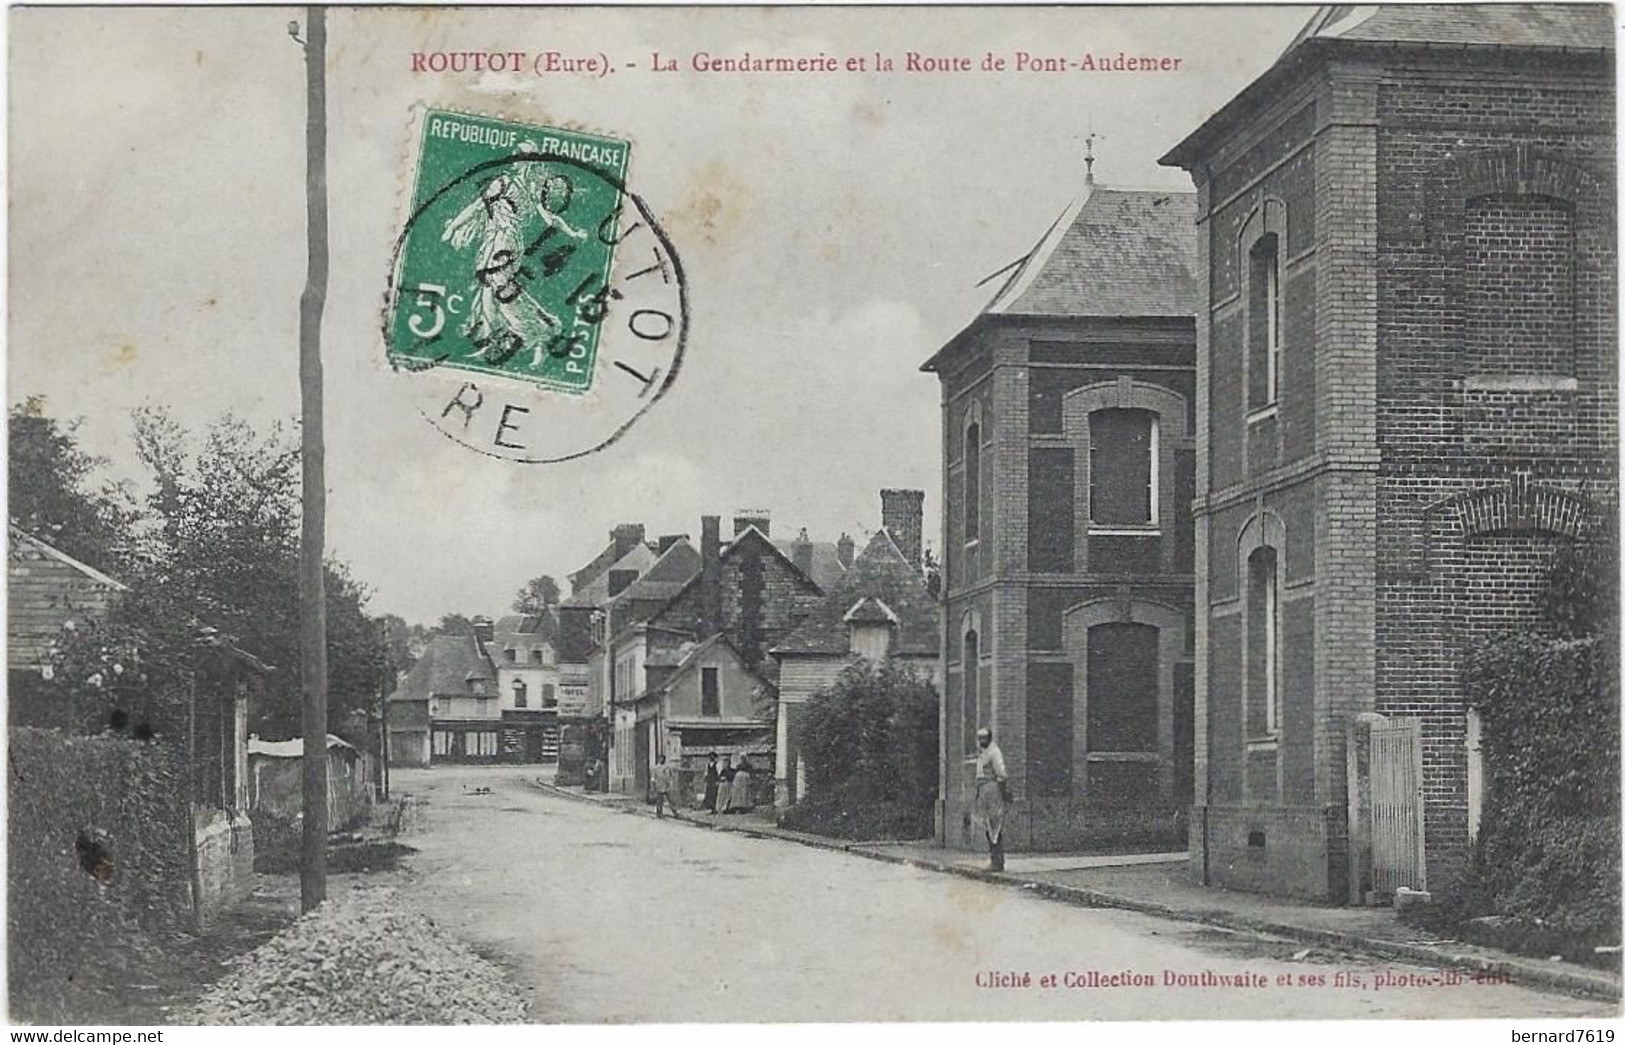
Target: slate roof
<point x="1539" y="27"/>
<point x="524" y="631"/>
<point x="878" y="573"/>
<point x="448" y="665"/>
<point x="596" y="592"/>
<point x="1117" y="252"/>
<point x="1580" y="26"/>
<point x="826" y="561"/>
<point x="666" y="576"/>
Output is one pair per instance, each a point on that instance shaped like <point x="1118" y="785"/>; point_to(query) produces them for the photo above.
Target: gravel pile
<point x="366" y="957"/>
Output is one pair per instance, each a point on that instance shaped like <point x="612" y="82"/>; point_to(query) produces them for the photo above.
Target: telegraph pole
<point x="312" y="582"/>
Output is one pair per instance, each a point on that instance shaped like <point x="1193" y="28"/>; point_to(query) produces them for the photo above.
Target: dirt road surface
<point x="605" y="917"/>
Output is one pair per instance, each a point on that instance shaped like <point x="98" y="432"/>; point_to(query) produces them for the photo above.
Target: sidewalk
<point x="1157" y="884"/>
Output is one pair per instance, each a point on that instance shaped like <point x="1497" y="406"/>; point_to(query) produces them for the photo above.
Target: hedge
<point x="99" y="853"/>
<point x="1550" y="840"/>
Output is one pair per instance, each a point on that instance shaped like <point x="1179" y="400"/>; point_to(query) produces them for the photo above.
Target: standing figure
<point x="739" y="801"/>
<point x="709" y="804"/>
<point x="992" y="795"/>
<point x="663" y="785"/>
<point x="725" y="788"/>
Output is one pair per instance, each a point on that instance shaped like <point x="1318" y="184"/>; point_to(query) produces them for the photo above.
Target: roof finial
<point x="1089" y="157"/>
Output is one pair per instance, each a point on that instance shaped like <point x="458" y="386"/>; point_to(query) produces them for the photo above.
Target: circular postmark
<point x="535" y="306"/>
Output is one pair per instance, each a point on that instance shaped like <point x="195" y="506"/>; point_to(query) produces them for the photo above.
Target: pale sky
<point x="833" y="228"/>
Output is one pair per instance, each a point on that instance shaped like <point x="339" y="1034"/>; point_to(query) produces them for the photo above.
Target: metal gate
<point x="1397" y="857"/>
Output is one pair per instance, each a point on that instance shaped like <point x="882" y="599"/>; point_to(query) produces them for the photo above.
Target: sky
<point x="833" y="229"/>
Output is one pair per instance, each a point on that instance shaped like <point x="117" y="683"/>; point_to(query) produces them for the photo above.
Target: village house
<point x="879" y="608"/>
<point x="49" y="594"/>
<point x="749" y="591"/>
<point x="525" y="650"/>
<point x="1068" y="422"/>
<point x="583" y="722"/>
<point x="1407" y="397"/>
<point x="447" y="708"/>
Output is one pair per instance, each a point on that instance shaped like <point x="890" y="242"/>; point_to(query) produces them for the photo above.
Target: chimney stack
<point x="902" y="513"/>
<point x="626" y="537"/>
<point x="745" y="518"/>
<point x="844" y="549"/>
<point x="710" y="576"/>
<point x="801" y="552"/>
<point x="669" y="539"/>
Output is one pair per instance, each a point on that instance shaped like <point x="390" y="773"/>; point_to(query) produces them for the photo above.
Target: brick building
<point x="1068" y="414"/>
<point x="1407" y="395"/>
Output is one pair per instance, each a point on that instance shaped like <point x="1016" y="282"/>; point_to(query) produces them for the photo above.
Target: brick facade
<point x="1040" y="579"/>
<point x="1447" y="412"/>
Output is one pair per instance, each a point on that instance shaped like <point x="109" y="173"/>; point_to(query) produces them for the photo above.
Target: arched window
<point x="971" y="664"/>
<point x="1264" y="322"/>
<point x="1263" y="644"/>
<point x="973" y="481"/>
<point x="519" y="693"/>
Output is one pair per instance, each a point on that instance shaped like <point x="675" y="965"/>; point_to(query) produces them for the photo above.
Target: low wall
<point x="225" y="861"/>
<point x="1289" y="851"/>
<point x="1066" y="824"/>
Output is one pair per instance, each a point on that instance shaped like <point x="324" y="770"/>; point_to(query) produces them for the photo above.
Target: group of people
<point x="727" y="786"/>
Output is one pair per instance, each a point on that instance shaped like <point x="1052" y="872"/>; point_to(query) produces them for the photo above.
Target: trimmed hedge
<point x="98" y="856"/>
<point x="1549" y="848"/>
<point x="870" y="744"/>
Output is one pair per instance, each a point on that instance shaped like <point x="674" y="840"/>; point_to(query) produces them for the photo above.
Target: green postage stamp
<point x="504" y="267"/>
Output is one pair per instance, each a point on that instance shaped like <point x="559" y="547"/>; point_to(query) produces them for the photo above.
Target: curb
<point x="1566" y="980"/>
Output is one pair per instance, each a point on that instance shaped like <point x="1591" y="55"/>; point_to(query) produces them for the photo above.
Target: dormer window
<point x="513" y="655"/>
<point x="870" y="624"/>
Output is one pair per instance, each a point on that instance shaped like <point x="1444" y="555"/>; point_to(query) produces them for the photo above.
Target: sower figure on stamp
<point x="992" y="795"/>
<point x="503" y="312"/>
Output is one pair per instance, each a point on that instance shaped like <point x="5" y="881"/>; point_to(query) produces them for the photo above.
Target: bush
<point x="98" y="856"/>
<point x="870" y="744"/>
<point x="1549" y="849"/>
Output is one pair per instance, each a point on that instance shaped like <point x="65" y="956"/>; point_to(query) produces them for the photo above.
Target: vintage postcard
<point x="740" y="515"/>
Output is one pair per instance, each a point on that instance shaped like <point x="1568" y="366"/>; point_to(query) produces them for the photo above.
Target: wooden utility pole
<point x="312" y="583"/>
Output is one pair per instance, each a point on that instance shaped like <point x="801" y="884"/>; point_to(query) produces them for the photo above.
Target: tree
<point x="224" y="542"/>
<point x="455" y="624"/>
<point x="540" y="593"/>
<point x="54" y="494"/>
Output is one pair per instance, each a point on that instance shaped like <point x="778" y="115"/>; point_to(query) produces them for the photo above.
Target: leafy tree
<point x="54" y="494"/>
<point x="225" y="544"/>
<point x="455" y="624"/>
<point x="540" y="593"/>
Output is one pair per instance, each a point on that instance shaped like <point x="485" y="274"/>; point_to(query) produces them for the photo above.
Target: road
<point x="605" y="917"/>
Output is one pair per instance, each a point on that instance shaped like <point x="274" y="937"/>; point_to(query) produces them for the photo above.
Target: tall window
<point x="519" y="693"/>
<point x="710" y="693"/>
<point x="973" y="481"/>
<point x="971" y="661"/>
<point x="548" y="698"/>
<point x="1264" y="323"/>
<point x="1123" y="468"/>
<point x="1263" y="644"/>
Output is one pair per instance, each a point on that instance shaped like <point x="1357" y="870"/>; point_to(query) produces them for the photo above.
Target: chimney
<point x="902" y="513"/>
<point x="710" y="576"/>
<point x="626" y="537"/>
<point x="669" y="539"/>
<point x="844" y="549"/>
<point x="801" y="552"/>
<point x="745" y="518"/>
<point x="484" y="630"/>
